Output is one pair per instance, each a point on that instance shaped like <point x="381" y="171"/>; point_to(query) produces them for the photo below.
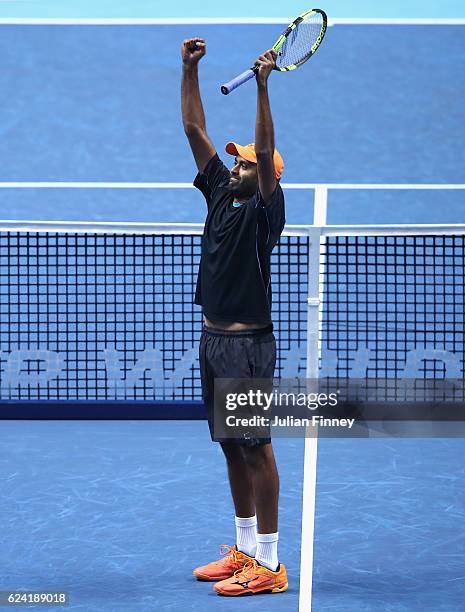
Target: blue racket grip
<point x="239" y="80"/>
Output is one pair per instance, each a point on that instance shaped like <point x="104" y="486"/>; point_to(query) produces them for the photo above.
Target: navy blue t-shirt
<point x="234" y="281"/>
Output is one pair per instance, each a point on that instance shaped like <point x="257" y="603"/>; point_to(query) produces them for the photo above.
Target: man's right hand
<point x="192" y="50"/>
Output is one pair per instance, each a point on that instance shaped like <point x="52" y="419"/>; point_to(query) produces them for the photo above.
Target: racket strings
<point x="298" y="45"/>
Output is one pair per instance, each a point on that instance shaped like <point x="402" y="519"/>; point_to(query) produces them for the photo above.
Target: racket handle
<point x="239" y="80"/>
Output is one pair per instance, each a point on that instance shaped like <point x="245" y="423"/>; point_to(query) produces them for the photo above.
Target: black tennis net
<point x="104" y="315"/>
<point x="107" y="315"/>
<point x="393" y="308"/>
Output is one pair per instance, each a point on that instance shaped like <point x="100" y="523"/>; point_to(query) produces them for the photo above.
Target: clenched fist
<point x="192" y="50"/>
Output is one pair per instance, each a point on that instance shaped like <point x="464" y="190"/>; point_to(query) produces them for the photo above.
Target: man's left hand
<point x="265" y="64"/>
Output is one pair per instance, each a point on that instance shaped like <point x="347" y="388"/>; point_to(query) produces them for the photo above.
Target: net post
<point x="311" y="439"/>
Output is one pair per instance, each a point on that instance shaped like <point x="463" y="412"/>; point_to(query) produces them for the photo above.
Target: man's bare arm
<point x="264" y="130"/>
<point x="193" y="117"/>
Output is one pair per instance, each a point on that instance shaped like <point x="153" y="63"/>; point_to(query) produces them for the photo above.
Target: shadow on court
<point x="119" y="513"/>
<point x="390" y="526"/>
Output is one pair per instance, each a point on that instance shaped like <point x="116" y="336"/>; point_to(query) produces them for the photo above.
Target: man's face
<point x="243" y="182"/>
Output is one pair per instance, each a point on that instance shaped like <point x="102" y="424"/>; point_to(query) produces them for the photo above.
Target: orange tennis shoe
<point x="233" y="561"/>
<point x="254" y="578"/>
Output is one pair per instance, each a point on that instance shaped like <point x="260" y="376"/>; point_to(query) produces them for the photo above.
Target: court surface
<point x="118" y="512"/>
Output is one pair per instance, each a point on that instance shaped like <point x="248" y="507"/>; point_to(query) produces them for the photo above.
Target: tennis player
<point x="244" y="221"/>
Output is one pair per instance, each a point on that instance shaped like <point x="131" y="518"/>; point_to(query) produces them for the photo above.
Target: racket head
<point x="300" y="40"/>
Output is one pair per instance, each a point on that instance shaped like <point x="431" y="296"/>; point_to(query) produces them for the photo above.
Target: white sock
<point x="246" y="535"/>
<point x="267" y="550"/>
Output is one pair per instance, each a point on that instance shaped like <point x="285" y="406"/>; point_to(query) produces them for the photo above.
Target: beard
<point x="233" y="183"/>
<point x="240" y="189"/>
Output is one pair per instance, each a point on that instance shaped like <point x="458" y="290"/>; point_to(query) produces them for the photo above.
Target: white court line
<point x="121" y="227"/>
<point x="385" y="185"/>
<point x="178" y="185"/>
<point x="396" y="21"/>
<point x="320" y="205"/>
<point x="225" y="21"/>
<point x="90" y="185"/>
<point x="308" y="522"/>
<point x="159" y="185"/>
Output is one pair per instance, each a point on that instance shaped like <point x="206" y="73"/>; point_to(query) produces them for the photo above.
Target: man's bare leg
<point x="239" y="480"/>
<point x="265" y="484"/>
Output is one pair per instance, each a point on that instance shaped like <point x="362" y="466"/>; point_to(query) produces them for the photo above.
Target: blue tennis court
<point x="118" y="512"/>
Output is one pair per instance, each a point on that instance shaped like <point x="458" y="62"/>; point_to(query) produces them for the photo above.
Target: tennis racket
<point x="294" y="47"/>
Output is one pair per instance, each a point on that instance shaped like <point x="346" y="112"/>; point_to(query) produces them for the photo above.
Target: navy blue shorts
<point x="235" y="354"/>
